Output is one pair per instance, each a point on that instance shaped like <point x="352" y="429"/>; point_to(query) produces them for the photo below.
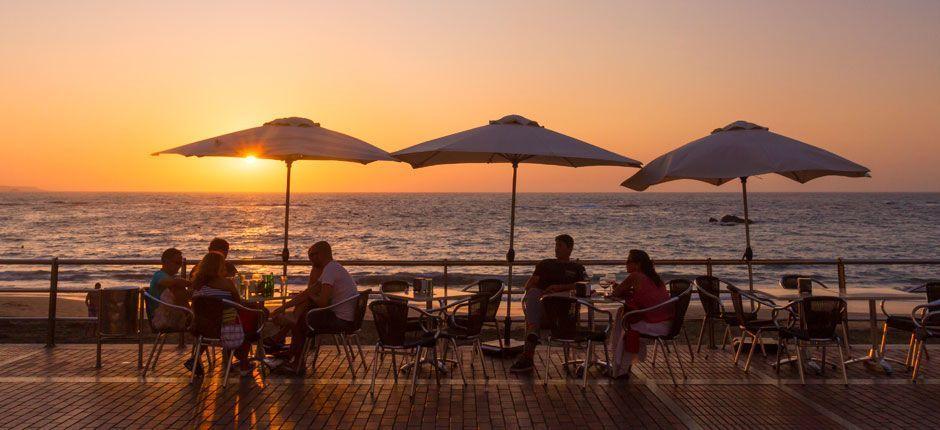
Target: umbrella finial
<point x="740" y="125"/>
<point x="294" y="121"/>
<point x="515" y="119"/>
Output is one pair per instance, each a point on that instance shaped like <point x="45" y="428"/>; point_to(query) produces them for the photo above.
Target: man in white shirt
<point x="329" y="284"/>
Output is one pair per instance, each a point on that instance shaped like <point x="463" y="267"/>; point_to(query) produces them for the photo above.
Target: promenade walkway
<point x="60" y="388"/>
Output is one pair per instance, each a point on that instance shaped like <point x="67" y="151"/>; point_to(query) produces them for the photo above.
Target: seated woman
<point x="643" y="288"/>
<point x="210" y="281"/>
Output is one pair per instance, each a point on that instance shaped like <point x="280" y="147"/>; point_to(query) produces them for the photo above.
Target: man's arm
<point x="559" y="288"/>
<point x="532" y="282"/>
<point x="323" y="296"/>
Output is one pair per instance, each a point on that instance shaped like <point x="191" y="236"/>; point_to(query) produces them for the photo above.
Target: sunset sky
<point x="89" y="89"/>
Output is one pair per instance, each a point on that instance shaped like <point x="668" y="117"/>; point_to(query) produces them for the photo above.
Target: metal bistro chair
<point x="562" y="317"/>
<point x="792" y="282"/>
<point x="465" y="329"/>
<point x="812" y="322"/>
<point x="391" y="320"/>
<point x="680" y="303"/>
<point x="928" y="327"/>
<point x="495" y="288"/>
<point x="345" y="338"/>
<point x="207" y="329"/>
<point x="120" y="316"/>
<point x="162" y="333"/>
<point x="709" y="292"/>
<point x="677" y="287"/>
<point x="748" y="327"/>
<point x="907" y="324"/>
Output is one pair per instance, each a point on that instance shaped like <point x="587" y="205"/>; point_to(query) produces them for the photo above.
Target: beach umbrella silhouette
<point x="738" y="151"/>
<point x="289" y="140"/>
<point x="512" y="139"/>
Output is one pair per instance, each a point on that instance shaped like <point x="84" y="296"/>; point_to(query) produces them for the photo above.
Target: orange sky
<point x="89" y="90"/>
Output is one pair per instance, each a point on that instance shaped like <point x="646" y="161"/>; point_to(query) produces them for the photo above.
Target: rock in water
<point x="731" y="219"/>
<point x="712" y="219"/>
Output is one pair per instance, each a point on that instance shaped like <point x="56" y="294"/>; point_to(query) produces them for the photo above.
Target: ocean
<point x="410" y="226"/>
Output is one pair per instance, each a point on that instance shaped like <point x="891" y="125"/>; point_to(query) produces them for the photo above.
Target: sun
<point x="251" y="159"/>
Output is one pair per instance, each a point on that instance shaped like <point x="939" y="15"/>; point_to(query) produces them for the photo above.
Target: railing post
<point x="445" y="276"/>
<point x="841" y="266"/>
<point x="708" y="267"/>
<point x="53" y="293"/>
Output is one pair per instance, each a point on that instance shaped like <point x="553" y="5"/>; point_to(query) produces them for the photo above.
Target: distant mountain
<point x="16" y="189"/>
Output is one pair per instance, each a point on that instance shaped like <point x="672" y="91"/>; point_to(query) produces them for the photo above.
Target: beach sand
<point x="37" y="305"/>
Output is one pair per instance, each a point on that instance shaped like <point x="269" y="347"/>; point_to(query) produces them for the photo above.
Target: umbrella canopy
<point x="739" y="150"/>
<point x="289" y="140"/>
<point x="511" y="139"/>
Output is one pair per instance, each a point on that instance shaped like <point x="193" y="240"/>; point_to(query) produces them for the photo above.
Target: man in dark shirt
<point x="551" y="276"/>
<point x="218" y="246"/>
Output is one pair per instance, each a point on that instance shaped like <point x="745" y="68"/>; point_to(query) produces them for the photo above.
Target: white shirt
<point x="344" y="287"/>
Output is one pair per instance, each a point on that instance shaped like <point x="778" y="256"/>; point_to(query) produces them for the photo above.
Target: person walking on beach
<point x="332" y="284"/>
<point x="551" y="276"/>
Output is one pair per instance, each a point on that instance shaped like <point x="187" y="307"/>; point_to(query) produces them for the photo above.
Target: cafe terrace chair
<point x="754" y="328"/>
<point x="493" y="287"/>
<point x="791" y="282"/>
<point x="927" y="322"/>
<point x="907" y="324"/>
<point x="163" y="333"/>
<point x="391" y="321"/>
<point x="120" y="316"/>
<point x="677" y="287"/>
<point x="812" y="322"/>
<point x="562" y="318"/>
<point x="709" y="293"/>
<point x="680" y="304"/>
<point x="464" y="326"/>
<point x="207" y="329"/>
<point x="344" y="338"/>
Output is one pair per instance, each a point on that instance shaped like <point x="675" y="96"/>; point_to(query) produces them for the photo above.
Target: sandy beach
<point x="37" y="305"/>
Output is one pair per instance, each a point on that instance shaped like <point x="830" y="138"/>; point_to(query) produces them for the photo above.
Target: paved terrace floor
<point x="60" y="388"/>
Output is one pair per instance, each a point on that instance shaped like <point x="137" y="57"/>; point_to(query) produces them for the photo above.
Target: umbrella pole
<point x="510" y="256"/>
<point x="748" y="252"/>
<point x="285" y="254"/>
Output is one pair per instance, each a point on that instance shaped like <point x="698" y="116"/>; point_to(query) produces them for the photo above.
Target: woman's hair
<point x="211" y="267"/>
<point x="646" y="265"/>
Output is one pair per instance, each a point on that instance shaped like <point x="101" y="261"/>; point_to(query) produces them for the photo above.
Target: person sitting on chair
<point x="551" y="276"/>
<point x="219" y="246"/>
<point x="168" y="288"/>
<point x="332" y="285"/>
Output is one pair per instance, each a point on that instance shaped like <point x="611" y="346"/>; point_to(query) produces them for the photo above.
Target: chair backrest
<point x="820" y="315"/>
<point x="737" y="303"/>
<point x="678" y="286"/>
<point x="208" y="316"/>
<point x="710" y="285"/>
<point x="477" y="310"/>
<point x="391" y="321"/>
<point x="932" y="289"/>
<point x="680" y="307"/>
<point x="394" y="286"/>
<point x="790" y="281"/>
<point x="118" y="310"/>
<point x="493" y="287"/>
<point x="362" y="303"/>
<point x="561" y="316"/>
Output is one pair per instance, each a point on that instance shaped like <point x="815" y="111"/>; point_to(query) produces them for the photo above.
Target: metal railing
<point x="707" y="264"/>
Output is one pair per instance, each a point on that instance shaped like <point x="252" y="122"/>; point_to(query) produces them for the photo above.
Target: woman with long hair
<point x="643" y="288"/>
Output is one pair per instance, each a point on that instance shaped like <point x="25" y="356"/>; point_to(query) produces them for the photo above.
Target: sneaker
<point x="523" y="364"/>
<point x="189" y="366"/>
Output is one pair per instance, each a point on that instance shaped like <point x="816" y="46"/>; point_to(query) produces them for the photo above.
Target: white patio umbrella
<point x="738" y="151"/>
<point x="289" y="140"/>
<point x="512" y="139"/>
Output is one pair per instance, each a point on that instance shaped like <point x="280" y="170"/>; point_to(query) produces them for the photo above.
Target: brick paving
<point x="60" y="388"/>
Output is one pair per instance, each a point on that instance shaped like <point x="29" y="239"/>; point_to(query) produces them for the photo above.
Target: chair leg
<point x="197" y="358"/>
<point x="98" y="353"/>
<point x="337" y="343"/>
<point x="587" y="364"/>
<point x="909" y="357"/>
<point x="799" y="359"/>
<point x="227" y="363"/>
<point x="685" y="333"/>
<point x="675" y="348"/>
<point x="375" y="370"/>
<point x="156" y="344"/>
<point x="918" y="350"/>
<point x="926" y="353"/>
<point x="414" y="373"/>
<point x="395" y="366"/>
<point x="655" y="352"/>
<point x="457" y="359"/>
<point x="845" y="374"/>
<point x="361" y="354"/>
<point x="349" y="355"/>
<point x="668" y="365"/>
<point x="738" y="350"/>
<point x="701" y="333"/>
<point x="607" y="359"/>
<point x="884" y="340"/>
<point x="750" y="353"/>
<point x="724" y="338"/>
<point x="159" y="351"/>
<point x="479" y="349"/>
<point x="317" y="343"/>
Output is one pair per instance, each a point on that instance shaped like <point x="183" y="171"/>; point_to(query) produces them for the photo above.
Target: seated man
<point x="165" y="280"/>
<point x="219" y="246"/>
<point x="333" y="285"/>
<point x="554" y="275"/>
